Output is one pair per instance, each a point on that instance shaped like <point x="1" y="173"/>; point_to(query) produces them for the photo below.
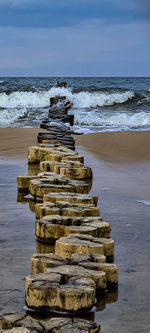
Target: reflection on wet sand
<point x="24" y="198"/>
<point x="109" y="297"/>
<point x="33" y="169"/>
<point x="44" y="248"/>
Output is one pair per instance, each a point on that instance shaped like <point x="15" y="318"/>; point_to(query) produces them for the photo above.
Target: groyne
<point x="69" y="281"/>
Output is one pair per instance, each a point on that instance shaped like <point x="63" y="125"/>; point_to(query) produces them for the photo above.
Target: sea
<point x="98" y="103"/>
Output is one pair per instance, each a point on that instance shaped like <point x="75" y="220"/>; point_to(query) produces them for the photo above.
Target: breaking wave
<point x="21" y="99"/>
<point x="122" y="120"/>
<point x="91" y="100"/>
<point x="10" y="116"/>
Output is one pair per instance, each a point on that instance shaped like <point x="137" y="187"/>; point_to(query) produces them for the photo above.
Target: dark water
<point x="99" y="104"/>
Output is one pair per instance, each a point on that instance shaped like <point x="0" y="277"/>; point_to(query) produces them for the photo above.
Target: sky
<point x="74" y="38"/>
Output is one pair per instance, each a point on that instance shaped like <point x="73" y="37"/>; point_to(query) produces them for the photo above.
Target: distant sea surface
<point x="99" y="104"/>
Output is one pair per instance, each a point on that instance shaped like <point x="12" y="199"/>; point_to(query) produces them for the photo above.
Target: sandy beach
<point x="121" y="177"/>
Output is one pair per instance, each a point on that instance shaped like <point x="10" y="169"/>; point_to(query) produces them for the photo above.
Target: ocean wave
<point x="91" y="100"/>
<point x="1" y="81"/>
<point x="21" y="99"/>
<point x="10" y="116"/>
<point x="122" y="120"/>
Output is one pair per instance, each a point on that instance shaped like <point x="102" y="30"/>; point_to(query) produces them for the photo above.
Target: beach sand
<point x="114" y="147"/>
<point x="121" y="177"/>
<point x="14" y="142"/>
<point x="117" y="147"/>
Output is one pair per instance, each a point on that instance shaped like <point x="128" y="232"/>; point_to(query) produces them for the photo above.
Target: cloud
<point x="80" y="38"/>
<point x="49" y="13"/>
<point x="88" y="49"/>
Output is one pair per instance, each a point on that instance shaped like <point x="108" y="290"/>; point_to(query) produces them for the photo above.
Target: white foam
<point x="20" y="99"/>
<point x="146" y="203"/>
<point x="9" y="116"/>
<point x="82" y="129"/>
<point x="91" y="100"/>
<point x="122" y="120"/>
<point x="1" y="81"/>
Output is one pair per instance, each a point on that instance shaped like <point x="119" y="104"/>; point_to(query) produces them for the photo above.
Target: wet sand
<point x="119" y="186"/>
<point x="120" y="178"/>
